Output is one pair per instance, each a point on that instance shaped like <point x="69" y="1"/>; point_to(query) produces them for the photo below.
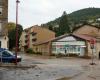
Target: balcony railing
<point x="26" y="36"/>
<point x="34" y="40"/>
<point x="26" y="41"/>
<point x="33" y="33"/>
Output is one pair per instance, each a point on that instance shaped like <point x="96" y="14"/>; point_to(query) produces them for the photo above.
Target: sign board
<point x="92" y="46"/>
<point x="92" y="41"/>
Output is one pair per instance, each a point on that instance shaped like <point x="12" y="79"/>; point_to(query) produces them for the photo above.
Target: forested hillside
<point x="87" y="15"/>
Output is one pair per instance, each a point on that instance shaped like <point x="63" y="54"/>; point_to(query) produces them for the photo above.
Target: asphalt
<point x="35" y="67"/>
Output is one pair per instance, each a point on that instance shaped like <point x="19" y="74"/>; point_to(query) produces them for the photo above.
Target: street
<point x="48" y="68"/>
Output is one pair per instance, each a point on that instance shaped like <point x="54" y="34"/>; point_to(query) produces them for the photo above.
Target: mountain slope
<point x="85" y="14"/>
<point x="79" y="16"/>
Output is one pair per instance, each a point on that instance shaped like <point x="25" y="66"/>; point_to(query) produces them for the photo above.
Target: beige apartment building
<point x="34" y="35"/>
<point x="3" y="23"/>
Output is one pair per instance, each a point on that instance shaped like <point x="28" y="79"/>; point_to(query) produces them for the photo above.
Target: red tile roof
<point x="85" y="37"/>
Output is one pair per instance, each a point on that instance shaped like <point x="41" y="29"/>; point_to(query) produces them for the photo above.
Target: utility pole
<point x="17" y="2"/>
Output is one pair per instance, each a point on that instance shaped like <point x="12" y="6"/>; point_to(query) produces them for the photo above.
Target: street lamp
<point x="17" y="1"/>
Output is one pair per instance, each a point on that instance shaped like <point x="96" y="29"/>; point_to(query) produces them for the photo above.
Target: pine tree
<point x="63" y="25"/>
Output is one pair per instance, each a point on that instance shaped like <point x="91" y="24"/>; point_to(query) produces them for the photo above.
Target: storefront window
<point x="54" y="47"/>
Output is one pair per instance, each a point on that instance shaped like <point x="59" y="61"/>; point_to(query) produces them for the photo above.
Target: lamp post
<point x="17" y="1"/>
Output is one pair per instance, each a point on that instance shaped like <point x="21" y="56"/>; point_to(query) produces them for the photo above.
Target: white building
<point x="68" y="44"/>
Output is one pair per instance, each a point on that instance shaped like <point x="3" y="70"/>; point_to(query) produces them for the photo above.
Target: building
<point x="76" y="43"/>
<point x="3" y="23"/>
<point x="65" y="44"/>
<point x="68" y="44"/>
<point x="33" y="35"/>
<point x="91" y="31"/>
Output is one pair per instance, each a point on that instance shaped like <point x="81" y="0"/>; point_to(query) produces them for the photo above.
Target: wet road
<point x="46" y="69"/>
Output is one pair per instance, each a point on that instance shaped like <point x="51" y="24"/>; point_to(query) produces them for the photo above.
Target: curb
<point x="17" y="66"/>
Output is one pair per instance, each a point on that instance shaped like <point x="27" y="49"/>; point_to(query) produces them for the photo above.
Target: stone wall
<point x="4" y="14"/>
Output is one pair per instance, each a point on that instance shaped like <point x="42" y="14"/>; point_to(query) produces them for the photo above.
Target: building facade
<point x="67" y="45"/>
<point x="94" y="32"/>
<point x="34" y="35"/>
<point x="3" y="23"/>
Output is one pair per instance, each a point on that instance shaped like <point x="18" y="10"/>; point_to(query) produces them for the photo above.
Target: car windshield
<point x="8" y="52"/>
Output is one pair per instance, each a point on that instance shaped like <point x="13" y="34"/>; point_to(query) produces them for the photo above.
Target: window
<point x="25" y="41"/>
<point x="6" y="54"/>
<point x="54" y="47"/>
<point x="0" y="2"/>
<point x="33" y="33"/>
<point x="0" y="10"/>
<point x="33" y="40"/>
<point x="26" y="36"/>
<point x="26" y="31"/>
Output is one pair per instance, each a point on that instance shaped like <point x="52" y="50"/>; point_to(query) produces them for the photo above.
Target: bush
<point x="30" y="50"/>
<point x="71" y="55"/>
<point x="52" y="54"/>
<point x="39" y="53"/>
<point x="59" y="55"/>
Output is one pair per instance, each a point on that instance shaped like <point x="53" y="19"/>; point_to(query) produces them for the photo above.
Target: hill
<point x="85" y="14"/>
<point x="80" y="16"/>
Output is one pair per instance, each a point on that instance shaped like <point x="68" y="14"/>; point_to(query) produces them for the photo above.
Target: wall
<point x="4" y="42"/>
<point x="92" y="31"/>
<point x="43" y="48"/>
<point x="42" y="35"/>
<point x="86" y="29"/>
<point x="69" y="47"/>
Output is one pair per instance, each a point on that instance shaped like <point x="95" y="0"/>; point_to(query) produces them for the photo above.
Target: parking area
<point x="51" y="68"/>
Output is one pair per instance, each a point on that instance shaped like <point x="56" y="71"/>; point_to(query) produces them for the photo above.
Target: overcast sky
<point x="32" y="12"/>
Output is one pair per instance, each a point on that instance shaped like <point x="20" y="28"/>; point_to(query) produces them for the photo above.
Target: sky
<point x="37" y="12"/>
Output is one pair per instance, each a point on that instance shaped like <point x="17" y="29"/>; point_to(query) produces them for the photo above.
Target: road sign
<point x="92" y="46"/>
<point x="92" y="41"/>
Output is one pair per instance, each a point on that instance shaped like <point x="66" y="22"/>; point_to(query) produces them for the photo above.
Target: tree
<point x="63" y="25"/>
<point x="11" y="27"/>
<point x="50" y="27"/>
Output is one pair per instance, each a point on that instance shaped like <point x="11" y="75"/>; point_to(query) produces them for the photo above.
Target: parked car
<point x="8" y="56"/>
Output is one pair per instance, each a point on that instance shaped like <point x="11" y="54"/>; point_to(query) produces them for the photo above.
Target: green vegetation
<point x="83" y="16"/>
<point x="30" y="51"/>
<point x="63" y="25"/>
<point x="11" y="28"/>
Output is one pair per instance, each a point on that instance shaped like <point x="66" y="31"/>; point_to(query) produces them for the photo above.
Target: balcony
<point x="33" y="33"/>
<point x="26" y="31"/>
<point x="34" y="40"/>
<point x="26" y="41"/>
<point x="26" y="36"/>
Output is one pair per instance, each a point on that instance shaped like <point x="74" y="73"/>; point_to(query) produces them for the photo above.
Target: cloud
<point x="33" y="12"/>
